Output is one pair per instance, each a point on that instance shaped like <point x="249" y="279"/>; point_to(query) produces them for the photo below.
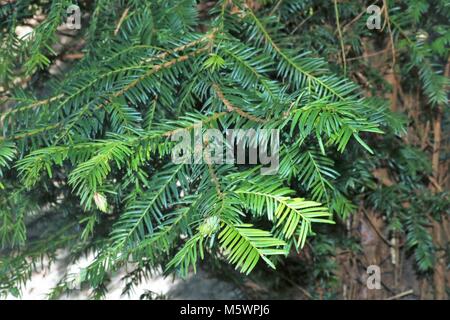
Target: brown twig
<point x="378" y="232"/>
<point x="31" y="106"/>
<point x="341" y="39"/>
<point x="121" y="20"/>
<point x="231" y="108"/>
<point x="303" y="290"/>
<point x="73" y="56"/>
<point x="400" y="295"/>
<point x="368" y="55"/>
<point x="160" y="56"/>
<point x="391" y="36"/>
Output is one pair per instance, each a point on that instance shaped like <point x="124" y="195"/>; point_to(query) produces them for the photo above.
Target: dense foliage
<point x="85" y="150"/>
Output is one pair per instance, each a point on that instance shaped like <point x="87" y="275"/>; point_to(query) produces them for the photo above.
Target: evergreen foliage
<point x="89" y="149"/>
